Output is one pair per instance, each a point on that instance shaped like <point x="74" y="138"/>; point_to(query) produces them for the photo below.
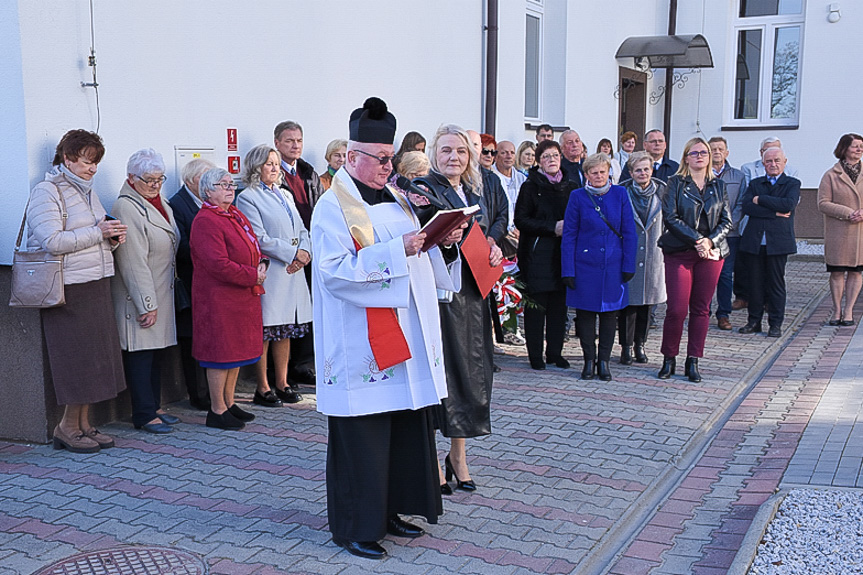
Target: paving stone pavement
<point x="635" y="475"/>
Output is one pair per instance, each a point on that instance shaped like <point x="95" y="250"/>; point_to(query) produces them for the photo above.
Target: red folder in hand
<point x="476" y="251"/>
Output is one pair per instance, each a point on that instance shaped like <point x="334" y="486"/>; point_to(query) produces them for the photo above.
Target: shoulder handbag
<point x="37" y="275"/>
<point x="601" y="215"/>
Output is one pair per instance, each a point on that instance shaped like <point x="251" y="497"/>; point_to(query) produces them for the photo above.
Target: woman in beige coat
<point x="143" y="288"/>
<point x="80" y="336"/>
<point x="840" y="199"/>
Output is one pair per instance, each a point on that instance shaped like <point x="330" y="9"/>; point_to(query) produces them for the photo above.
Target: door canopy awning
<point x="690" y="51"/>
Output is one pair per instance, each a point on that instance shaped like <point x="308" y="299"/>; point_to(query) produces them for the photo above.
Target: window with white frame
<point x="533" y="61"/>
<point x="767" y="65"/>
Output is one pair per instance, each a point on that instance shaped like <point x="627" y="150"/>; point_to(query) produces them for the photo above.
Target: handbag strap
<point x="601" y="215"/>
<point x="63" y="214"/>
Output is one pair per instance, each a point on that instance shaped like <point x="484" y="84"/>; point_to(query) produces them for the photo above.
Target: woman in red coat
<point x="226" y="289"/>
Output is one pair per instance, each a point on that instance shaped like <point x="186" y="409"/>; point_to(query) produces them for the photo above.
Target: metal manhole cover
<point x="128" y="561"/>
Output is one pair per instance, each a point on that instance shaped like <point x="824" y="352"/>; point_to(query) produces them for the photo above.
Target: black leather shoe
<point x="774" y="331"/>
<point x="589" y="369"/>
<point x="200" y="404"/>
<point x="168" y="419"/>
<point x="267" y="399"/>
<point x="288" y="395"/>
<point x="750" y="328"/>
<point x="445" y="489"/>
<point x="366" y="549"/>
<point x="669" y="364"/>
<point x="241" y="414"/>
<point x="537" y="364"/>
<point x="157" y="428"/>
<point x="401" y="528"/>
<point x="559" y="362"/>
<point x="303" y="376"/>
<point x="640" y="356"/>
<point x="468" y="485"/>
<point x="602" y="371"/>
<point x="690" y="369"/>
<point x="224" y="421"/>
<point x="626" y="355"/>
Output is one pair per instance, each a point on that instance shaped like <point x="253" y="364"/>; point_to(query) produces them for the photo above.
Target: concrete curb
<point x="608" y="550"/>
<point x="748" y="548"/>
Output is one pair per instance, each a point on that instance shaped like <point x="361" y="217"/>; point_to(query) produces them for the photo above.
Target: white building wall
<point x="829" y="97"/>
<point x="180" y="73"/>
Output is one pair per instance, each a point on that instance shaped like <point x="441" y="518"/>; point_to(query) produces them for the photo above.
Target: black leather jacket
<point x="682" y="206"/>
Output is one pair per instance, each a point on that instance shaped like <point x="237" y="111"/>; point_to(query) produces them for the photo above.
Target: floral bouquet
<point x="508" y="292"/>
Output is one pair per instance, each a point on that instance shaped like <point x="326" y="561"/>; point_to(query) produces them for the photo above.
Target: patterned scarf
<point x="853" y="170"/>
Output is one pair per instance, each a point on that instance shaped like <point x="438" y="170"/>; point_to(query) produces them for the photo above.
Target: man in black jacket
<point x="767" y="240"/>
<point x="655" y="145"/>
<point x="572" y="149"/>
<point x="303" y="183"/>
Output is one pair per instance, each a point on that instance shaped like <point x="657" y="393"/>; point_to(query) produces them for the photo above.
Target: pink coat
<point x="226" y="315"/>
<point x="838" y="198"/>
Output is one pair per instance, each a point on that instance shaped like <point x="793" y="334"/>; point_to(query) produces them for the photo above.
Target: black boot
<point x="589" y="369"/>
<point x="626" y="355"/>
<point x="667" y="369"/>
<point x="640" y="356"/>
<point x="602" y="370"/>
<point x="690" y="369"/>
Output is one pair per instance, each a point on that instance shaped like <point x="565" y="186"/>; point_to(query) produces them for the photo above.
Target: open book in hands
<point x="443" y="223"/>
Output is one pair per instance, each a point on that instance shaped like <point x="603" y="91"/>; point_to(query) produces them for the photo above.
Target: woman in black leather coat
<point x="696" y="217"/>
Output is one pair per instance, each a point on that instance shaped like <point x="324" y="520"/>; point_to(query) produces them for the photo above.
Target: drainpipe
<point x="491" y="68"/>
<point x="669" y="75"/>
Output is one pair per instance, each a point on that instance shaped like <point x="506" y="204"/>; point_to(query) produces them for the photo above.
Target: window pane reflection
<point x="748" y="74"/>
<point x="750" y="8"/>
<point x="786" y="63"/>
<point x="531" y="68"/>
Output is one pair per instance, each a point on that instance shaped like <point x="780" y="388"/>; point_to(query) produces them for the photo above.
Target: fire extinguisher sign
<point x="234" y="164"/>
<point x="232" y="139"/>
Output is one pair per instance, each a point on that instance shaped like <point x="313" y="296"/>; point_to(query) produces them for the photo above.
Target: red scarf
<point x="244" y="229"/>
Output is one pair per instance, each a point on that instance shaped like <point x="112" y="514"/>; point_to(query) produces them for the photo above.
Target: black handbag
<point x="182" y="298"/>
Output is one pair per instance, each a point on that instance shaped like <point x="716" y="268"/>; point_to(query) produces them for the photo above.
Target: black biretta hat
<point x="372" y="123"/>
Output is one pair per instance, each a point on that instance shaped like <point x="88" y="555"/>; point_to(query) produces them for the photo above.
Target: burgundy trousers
<point x="690" y="282"/>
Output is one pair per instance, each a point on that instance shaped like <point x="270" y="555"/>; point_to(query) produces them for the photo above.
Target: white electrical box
<point x="185" y="154"/>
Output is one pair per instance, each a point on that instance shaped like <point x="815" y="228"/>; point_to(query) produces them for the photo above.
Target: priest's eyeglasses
<point x="384" y="160"/>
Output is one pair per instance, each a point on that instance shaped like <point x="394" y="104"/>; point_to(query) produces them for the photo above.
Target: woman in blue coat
<point x="597" y="259"/>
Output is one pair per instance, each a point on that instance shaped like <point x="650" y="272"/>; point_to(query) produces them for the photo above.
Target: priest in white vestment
<point x="378" y="352"/>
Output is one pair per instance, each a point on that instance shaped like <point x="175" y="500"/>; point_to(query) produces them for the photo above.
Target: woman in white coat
<point x="286" y="305"/>
<point x="143" y="288"/>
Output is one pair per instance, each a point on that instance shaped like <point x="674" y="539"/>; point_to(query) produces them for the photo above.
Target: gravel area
<point x="814" y="532"/>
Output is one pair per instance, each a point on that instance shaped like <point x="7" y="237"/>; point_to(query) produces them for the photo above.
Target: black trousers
<point x="495" y="318"/>
<point x="545" y="322"/>
<point x="585" y="325"/>
<point x="742" y="281"/>
<point x="766" y="284"/>
<point x="193" y="373"/>
<point x="302" y="358"/>
<point x="144" y="380"/>
<point x="378" y="466"/>
<point x="632" y="324"/>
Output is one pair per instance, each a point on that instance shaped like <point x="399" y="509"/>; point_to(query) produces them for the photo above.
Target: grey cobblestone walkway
<point x="568" y="482"/>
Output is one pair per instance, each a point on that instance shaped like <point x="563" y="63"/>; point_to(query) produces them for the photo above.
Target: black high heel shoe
<point x="450" y="473"/>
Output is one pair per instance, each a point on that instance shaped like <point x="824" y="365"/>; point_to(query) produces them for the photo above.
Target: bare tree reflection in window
<point x="786" y="66"/>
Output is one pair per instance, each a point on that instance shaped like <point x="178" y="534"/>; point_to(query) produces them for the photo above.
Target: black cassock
<point x="380" y="465"/>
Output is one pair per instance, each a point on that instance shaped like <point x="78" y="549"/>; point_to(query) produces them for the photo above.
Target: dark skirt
<point x="843" y="269"/>
<point x="84" y="345"/>
<point x="468" y="358"/>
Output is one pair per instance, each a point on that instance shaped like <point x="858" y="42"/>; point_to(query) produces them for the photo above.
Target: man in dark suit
<point x="302" y="182"/>
<point x="655" y="145"/>
<point x="768" y="238"/>
<point x="572" y="149"/>
<point x="185" y="204"/>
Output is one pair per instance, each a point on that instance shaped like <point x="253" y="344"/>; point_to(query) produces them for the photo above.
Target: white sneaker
<point x="513" y="338"/>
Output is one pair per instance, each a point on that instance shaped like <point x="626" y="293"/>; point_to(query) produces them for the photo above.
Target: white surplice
<point x="346" y="282"/>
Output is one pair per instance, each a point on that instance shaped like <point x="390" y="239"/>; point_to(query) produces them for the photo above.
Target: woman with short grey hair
<point x="229" y="271"/>
<point x="287" y="307"/>
<point x="647" y="288"/>
<point x="143" y="287"/>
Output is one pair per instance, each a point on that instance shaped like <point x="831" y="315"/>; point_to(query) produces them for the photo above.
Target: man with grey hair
<point x="768" y="239"/>
<point x="752" y="170"/>
<point x="572" y="148"/>
<point x="735" y="187"/>
<point x="186" y="203"/>
<point x="378" y="343"/>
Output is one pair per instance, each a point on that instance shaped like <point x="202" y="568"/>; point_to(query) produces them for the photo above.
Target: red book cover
<point x="476" y="250"/>
<point x="443" y="222"/>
